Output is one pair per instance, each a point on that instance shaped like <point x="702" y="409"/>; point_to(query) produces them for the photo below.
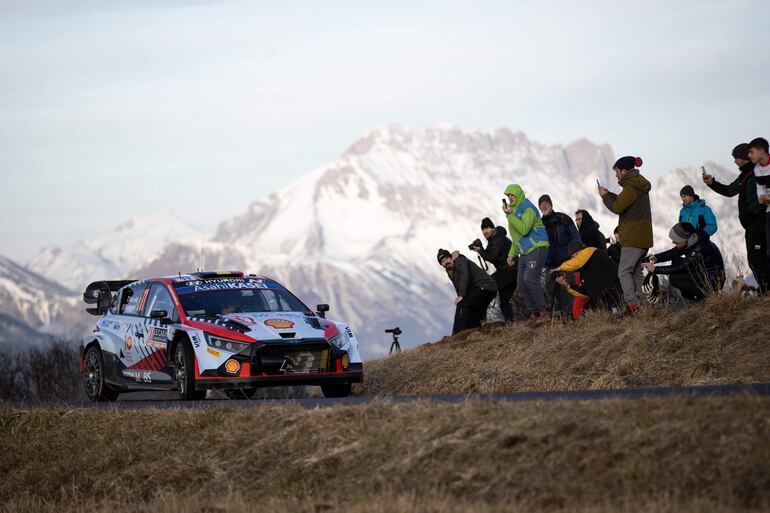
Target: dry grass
<point x="672" y="454"/>
<point x="724" y="340"/>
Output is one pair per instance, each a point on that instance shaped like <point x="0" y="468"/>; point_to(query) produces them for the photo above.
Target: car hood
<point x="279" y="325"/>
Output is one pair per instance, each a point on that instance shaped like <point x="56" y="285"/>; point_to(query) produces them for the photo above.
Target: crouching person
<point x="595" y="281"/>
<point x="475" y="289"/>
<point x="697" y="269"/>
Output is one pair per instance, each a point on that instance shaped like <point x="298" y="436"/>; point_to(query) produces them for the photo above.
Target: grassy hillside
<point x="726" y="340"/>
<point x="673" y="454"/>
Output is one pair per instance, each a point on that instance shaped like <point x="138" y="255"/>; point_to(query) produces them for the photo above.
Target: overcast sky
<point x="109" y="111"/>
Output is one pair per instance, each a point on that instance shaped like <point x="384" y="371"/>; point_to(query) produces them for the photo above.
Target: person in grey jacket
<point x="475" y="289"/>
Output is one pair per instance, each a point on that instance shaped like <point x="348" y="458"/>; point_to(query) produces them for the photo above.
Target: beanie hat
<point x="442" y="254"/>
<point x="487" y="223"/>
<point x="741" y="151"/>
<point x="574" y="246"/>
<point x="546" y="198"/>
<point x="627" y="163"/>
<point x="681" y="232"/>
<point x="687" y="190"/>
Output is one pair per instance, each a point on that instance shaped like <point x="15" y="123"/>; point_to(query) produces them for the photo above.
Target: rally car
<point x="211" y="330"/>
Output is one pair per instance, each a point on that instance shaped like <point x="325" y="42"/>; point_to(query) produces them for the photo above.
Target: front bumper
<point x="354" y="374"/>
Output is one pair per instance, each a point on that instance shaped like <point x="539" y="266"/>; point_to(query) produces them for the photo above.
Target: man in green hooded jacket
<point x="530" y="243"/>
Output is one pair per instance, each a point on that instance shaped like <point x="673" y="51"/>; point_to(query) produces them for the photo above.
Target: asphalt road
<point x="762" y="389"/>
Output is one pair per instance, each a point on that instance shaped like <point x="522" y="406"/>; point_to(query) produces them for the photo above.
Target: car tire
<point x="184" y="373"/>
<point x="336" y="390"/>
<point x="240" y="393"/>
<point x="97" y="389"/>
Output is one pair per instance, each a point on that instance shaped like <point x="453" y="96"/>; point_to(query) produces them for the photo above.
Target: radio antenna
<point x="201" y="259"/>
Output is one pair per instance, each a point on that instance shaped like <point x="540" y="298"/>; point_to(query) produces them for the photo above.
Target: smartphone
<point x="505" y="203"/>
<point x="598" y="185"/>
<point x="703" y="170"/>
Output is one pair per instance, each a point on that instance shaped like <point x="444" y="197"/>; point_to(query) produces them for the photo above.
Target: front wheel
<point x="336" y="390"/>
<point x="184" y="364"/>
<point x="93" y="377"/>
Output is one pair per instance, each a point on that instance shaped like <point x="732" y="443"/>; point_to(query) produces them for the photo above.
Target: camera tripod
<point x="394" y="345"/>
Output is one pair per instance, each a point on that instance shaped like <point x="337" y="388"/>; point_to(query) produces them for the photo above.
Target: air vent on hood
<point x="288" y="335"/>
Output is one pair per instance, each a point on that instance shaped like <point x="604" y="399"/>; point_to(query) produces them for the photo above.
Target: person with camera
<point x="496" y="253"/>
<point x="697" y="269"/>
<point x="475" y="289"/>
<point x="561" y="231"/>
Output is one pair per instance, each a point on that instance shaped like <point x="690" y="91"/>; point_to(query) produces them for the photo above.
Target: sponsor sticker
<point x="155" y="344"/>
<point x="158" y="335"/>
<point x="279" y="324"/>
<point x="213" y="352"/>
<point x="129" y="343"/>
<point x="195" y="341"/>
<point x="349" y="332"/>
<point x="243" y="319"/>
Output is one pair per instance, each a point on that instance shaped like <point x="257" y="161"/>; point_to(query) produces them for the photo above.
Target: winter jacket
<point x="613" y="251"/>
<point x="745" y="186"/>
<point x="496" y="253"/>
<point x="561" y="230"/>
<point x="524" y="224"/>
<point x="700" y="256"/>
<point x="590" y="234"/>
<point x="465" y="275"/>
<point x="597" y="272"/>
<point x="698" y="214"/>
<point x="633" y="207"/>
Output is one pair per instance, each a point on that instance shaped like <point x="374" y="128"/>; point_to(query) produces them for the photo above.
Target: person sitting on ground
<point x="475" y="289"/>
<point x="496" y="253"/>
<point x="530" y="243"/>
<point x="595" y="279"/>
<point x="696" y="212"/>
<point x="697" y="269"/>
<point x="589" y="231"/>
<point x="613" y="251"/>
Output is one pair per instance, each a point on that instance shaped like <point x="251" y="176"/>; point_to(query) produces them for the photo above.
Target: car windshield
<point x="232" y="297"/>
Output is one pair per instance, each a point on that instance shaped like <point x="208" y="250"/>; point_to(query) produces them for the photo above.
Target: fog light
<point x="232" y="366"/>
<point x="345" y="361"/>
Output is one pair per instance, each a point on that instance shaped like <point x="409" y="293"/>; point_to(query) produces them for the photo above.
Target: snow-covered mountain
<point x="361" y="232"/>
<point x="115" y="254"/>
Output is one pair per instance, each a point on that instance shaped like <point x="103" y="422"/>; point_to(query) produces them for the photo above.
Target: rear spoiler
<point x="100" y="294"/>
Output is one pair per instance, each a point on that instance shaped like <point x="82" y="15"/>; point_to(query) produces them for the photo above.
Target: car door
<point x="155" y="341"/>
<point x="131" y="326"/>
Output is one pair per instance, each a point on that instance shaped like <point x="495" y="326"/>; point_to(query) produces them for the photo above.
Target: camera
<point x="475" y="245"/>
<point x="395" y="331"/>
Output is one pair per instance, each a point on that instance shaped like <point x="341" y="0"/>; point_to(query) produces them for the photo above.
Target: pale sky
<point x="109" y="111"/>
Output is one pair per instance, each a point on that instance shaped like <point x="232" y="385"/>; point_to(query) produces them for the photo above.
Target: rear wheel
<point x="93" y="377"/>
<point x="240" y="393"/>
<point x="184" y="364"/>
<point x="336" y="390"/>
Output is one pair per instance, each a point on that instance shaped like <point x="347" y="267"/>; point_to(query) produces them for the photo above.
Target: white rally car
<point x="212" y="330"/>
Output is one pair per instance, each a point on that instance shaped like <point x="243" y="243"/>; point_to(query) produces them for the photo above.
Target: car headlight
<point x="339" y="340"/>
<point x="225" y="344"/>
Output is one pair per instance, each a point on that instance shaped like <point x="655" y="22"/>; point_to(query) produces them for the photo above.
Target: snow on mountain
<point x="113" y="255"/>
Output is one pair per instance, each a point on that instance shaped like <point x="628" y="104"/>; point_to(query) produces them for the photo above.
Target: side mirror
<point x="321" y="310"/>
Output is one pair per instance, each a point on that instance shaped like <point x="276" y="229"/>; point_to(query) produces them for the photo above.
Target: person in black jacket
<point x="697" y="268"/>
<point x="496" y="253"/>
<point x="561" y="231"/>
<point x="475" y="289"/>
<point x="589" y="231"/>
<point x="613" y="251"/>
<point x="750" y="213"/>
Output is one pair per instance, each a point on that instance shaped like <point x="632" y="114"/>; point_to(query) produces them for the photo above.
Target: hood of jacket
<point x="517" y="191"/>
<point x="634" y="179"/>
<point x="589" y="223"/>
<point x="746" y="169"/>
<point x="698" y="237"/>
<point x="499" y="232"/>
<point x="697" y="203"/>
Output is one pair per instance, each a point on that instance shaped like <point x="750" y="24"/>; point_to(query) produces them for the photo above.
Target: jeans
<point x="630" y="273"/>
<point x="530" y="267"/>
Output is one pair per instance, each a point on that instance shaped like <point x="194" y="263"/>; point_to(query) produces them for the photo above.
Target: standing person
<point x="475" y="289"/>
<point x="696" y="212"/>
<point x="750" y="213"/>
<point x="561" y="231"/>
<point x="758" y="154"/>
<point x="496" y="253"/>
<point x="635" y="228"/>
<point x="614" y="248"/>
<point x="530" y="244"/>
<point x="589" y="231"/>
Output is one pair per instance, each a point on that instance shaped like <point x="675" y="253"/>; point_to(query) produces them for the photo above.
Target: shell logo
<point x="129" y="343"/>
<point x="232" y="366"/>
<point x="279" y="324"/>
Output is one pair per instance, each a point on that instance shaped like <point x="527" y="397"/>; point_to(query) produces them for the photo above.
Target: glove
<point x="651" y="288"/>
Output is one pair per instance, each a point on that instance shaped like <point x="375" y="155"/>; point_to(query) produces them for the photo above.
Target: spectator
<point x="758" y="155"/>
<point x="614" y="250"/>
<point x="589" y="231"/>
<point x="750" y="213"/>
<point x="530" y="243"/>
<point x="696" y="212"/>
<point x="475" y="289"/>
<point x="635" y="228"/>
<point x="595" y="278"/>
<point x="561" y="231"/>
<point x="696" y="269"/>
<point x="496" y="253"/>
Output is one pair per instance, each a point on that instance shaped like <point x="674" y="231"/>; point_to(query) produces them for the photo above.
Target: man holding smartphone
<point x="750" y="213"/>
